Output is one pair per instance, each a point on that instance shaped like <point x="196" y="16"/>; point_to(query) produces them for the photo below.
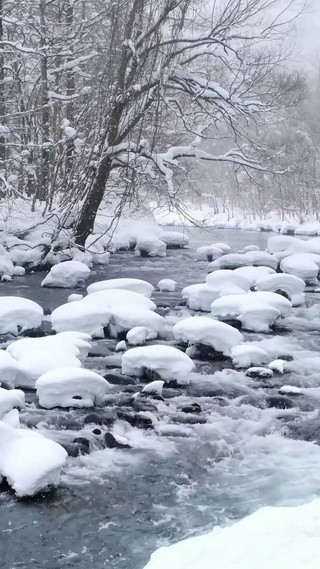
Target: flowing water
<point x="114" y="507"/>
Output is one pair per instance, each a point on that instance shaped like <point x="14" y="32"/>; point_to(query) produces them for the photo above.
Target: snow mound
<point x="74" y="297"/>
<point x="135" y="285"/>
<point x="252" y="274"/>
<point x="29" y="461"/>
<point x="108" y="312"/>
<point x="174" y="239"/>
<point x="249" y="248"/>
<point x="168" y="362"/>
<point x="209" y="253"/>
<point x="154" y="387"/>
<point x="199" y="296"/>
<point x="230" y="261"/>
<point x="202" y="330"/>
<point x="291" y="285"/>
<point x="139" y="335"/>
<point x="302" y="265"/>
<point x="247" y="355"/>
<point x="271" y="538"/>
<point x="290" y="390"/>
<point x="223" y="278"/>
<point x="96" y="246"/>
<point x="6" y="267"/>
<point x="150" y="246"/>
<point x="167" y="285"/>
<point x="261" y="258"/>
<point x="19" y="314"/>
<point x="9" y="399"/>
<point x="9" y="370"/>
<point x="71" y="387"/>
<point x="278" y="243"/>
<point x="66" y="275"/>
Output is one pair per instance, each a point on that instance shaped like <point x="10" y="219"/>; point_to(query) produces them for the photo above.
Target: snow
<point x="139" y="335"/>
<point x="302" y="265"/>
<point x="219" y="279"/>
<point x="209" y="253"/>
<point x="154" y="387"/>
<point x="9" y="369"/>
<point x="151" y="246"/>
<point x="29" y="461"/>
<point x="19" y="314"/>
<point x="252" y="274"/>
<point x="66" y="275"/>
<point x="71" y="387"/>
<point x="74" y="297"/>
<point x="10" y="399"/>
<point x="118" y="309"/>
<point x="277" y="365"/>
<point x="271" y="538"/>
<point x="247" y="355"/>
<point x="261" y="258"/>
<point x="202" y="330"/>
<point x="174" y="239"/>
<point x="293" y="286"/>
<point x="6" y="266"/>
<point x="230" y="261"/>
<point x="290" y="390"/>
<point x="168" y="362"/>
<point x="135" y="285"/>
<point x="199" y="296"/>
<point x="167" y="285"/>
<point x="121" y="346"/>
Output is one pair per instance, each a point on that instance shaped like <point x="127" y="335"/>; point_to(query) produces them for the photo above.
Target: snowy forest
<point x="162" y="101"/>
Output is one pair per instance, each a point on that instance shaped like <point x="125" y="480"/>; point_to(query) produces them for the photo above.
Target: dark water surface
<point x="114" y="507"/>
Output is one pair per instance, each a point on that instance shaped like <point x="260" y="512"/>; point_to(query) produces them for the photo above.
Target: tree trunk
<point x="71" y="87"/>
<point x="43" y="187"/>
<point x="92" y="202"/>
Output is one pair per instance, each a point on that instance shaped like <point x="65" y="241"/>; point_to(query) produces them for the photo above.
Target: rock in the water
<point x="119" y="379"/>
<point x="191" y="408"/>
<point x="93" y="419"/>
<point x="188" y="419"/>
<point x="135" y="420"/>
<point x="279" y="402"/>
<point x="112" y="442"/>
<point x="83" y="445"/>
<point x="259" y="372"/>
<point x="97" y="431"/>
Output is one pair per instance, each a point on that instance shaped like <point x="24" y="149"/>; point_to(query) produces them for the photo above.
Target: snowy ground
<point x="247" y="448"/>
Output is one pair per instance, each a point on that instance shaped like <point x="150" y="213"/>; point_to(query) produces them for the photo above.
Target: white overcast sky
<point x="308" y="37"/>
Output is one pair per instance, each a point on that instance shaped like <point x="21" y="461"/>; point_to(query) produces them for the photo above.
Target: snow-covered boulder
<point x="166" y="285"/>
<point x="10" y="399"/>
<point x="262" y="258"/>
<point x="258" y="316"/>
<point x="66" y="275"/>
<point x="9" y="370"/>
<point x="302" y="265"/>
<point x="209" y="253"/>
<point x="202" y="330"/>
<point x="221" y="279"/>
<point x="168" y="362"/>
<point x="249" y="248"/>
<point x="74" y="297"/>
<point x="230" y="261"/>
<point x="174" y="239"/>
<point x="199" y="296"/>
<point x="71" y="387"/>
<point x="6" y="266"/>
<point x="135" y="285"/>
<point x="95" y="245"/>
<point x="291" y="285"/>
<point x="272" y="537"/>
<point x="252" y="274"/>
<point x="19" y="314"/>
<point x="155" y="387"/>
<point x="29" y="461"/>
<point x="278" y="243"/>
<point x="150" y="246"/>
<point x="18" y="271"/>
<point x="108" y="311"/>
<point x="247" y="355"/>
<point x="139" y="335"/>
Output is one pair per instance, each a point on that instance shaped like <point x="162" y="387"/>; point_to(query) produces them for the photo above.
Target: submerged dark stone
<point x="83" y="444"/>
<point x="192" y="408"/>
<point x="279" y="402"/>
<point x="97" y="431"/>
<point x="119" y="379"/>
<point x="135" y="420"/>
<point x="93" y="419"/>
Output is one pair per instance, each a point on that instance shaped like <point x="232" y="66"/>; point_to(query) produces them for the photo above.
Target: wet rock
<point x="97" y="431"/>
<point x="47" y="311"/>
<point x="188" y="419"/>
<point x="279" y="402"/>
<point x="143" y="405"/>
<point x="83" y="445"/>
<point x="112" y="442"/>
<point x="93" y="419"/>
<point x="135" y="419"/>
<point x="33" y="333"/>
<point x="75" y="449"/>
<point x="119" y="379"/>
<point x="191" y="408"/>
<point x="255" y="372"/>
<point x="204" y="352"/>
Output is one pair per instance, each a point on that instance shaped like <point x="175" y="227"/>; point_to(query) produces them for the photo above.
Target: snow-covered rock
<point x="166" y="285"/>
<point x="121" y="346"/>
<point x="277" y="365"/>
<point x="278" y="243"/>
<point x="252" y="274"/>
<point x="71" y="387"/>
<point x="247" y="355"/>
<point x="135" y="285"/>
<point x="290" y="390"/>
<point x="9" y="370"/>
<point x="10" y="399"/>
<point x="220" y="279"/>
<point x="302" y="265"/>
<point x="29" y="461"/>
<point x="209" y="253"/>
<point x="18" y="271"/>
<point x="154" y="387"/>
<point x="168" y="362"/>
<point x="139" y="335"/>
<point x="271" y="538"/>
<point x="249" y="248"/>
<point x="202" y="330"/>
<point x="262" y="258"/>
<point x="74" y="297"/>
<point x="174" y="239"/>
<point x="112" y="311"/>
<point x="150" y="246"/>
<point x="19" y="314"/>
<point x="199" y="296"/>
<point x="291" y="285"/>
<point x="6" y="266"/>
<point x="258" y="316"/>
<point x="230" y="261"/>
<point x="66" y="275"/>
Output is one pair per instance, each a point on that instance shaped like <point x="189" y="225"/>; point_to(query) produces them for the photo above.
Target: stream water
<point x="114" y="507"/>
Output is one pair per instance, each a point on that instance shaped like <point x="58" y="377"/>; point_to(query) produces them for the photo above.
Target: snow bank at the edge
<point x="271" y="538"/>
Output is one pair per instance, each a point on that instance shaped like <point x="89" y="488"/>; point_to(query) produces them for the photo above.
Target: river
<point x="114" y="507"/>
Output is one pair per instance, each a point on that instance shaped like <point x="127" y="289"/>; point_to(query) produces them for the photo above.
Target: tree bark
<point x="2" y="94"/>
<point x="43" y="187"/>
<point x="92" y="202"/>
